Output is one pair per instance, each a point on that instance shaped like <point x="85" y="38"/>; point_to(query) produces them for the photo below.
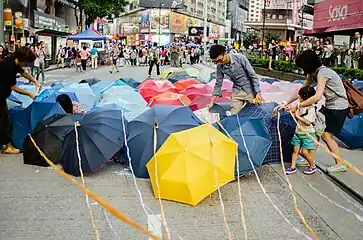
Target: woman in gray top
<point x="329" y="85"/>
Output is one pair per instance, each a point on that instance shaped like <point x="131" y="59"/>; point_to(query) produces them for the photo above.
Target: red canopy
<point x="338" y="15"/>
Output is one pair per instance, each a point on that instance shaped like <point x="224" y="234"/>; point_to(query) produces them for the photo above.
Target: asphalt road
<point x="37" y="204"/>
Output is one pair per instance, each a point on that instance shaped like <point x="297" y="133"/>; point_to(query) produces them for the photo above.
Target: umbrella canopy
<point x="90" y="81"/>
<point x="176" y="76"/>
<point x="126" y="98"/>
<point x="257" y="137"/>
<point x="140" y="140"/>
<point x="130" y="81"/>
<point x="358" y="84"/>
<point x="24" y="120"/>
<point x="197" y="89"/>
<point x="170" y="98"/>
<point x="263" y="111"/>
<point x="88" y="34"/>
<point x="44" y="94"/>
<point x="352" y="132"/>
<point x="24" y="99"/>
<point x="100" y="134"/>
<point x="191" y="44"/>
<point x="53" y="97"/>
<point x="183" y="84"/>
<point x="48" y="134"/>
<point x="192" y="164"/>
<point x="192" y="72"/>
<point x="61" y="85"/>
<point x="100" y="86"/>
<point x="202" y="101"/>
<point x="83" y="92"/>
<point x="165" y="73"/>
<point x="227" y="86"/>
<point x="269" y="80"/>
<point x="223" y="109"/>
<point x="152" y="88"/>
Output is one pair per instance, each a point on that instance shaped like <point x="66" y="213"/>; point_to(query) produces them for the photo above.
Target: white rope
<point x="110" y="225"/>
<point x="218" y="188"/>
<point x="76" y="124"/>
<point x="263" y="188"/>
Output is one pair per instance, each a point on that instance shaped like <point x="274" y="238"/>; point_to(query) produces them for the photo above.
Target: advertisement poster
<point x="160" y="18"/>
<point x="179" y="23"/>
<point x="145" y="21"/>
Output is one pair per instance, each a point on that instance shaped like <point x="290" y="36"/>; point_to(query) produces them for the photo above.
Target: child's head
<point x="306" y="92"/>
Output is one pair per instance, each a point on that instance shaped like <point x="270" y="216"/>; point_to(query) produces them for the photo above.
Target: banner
<point x="18" y="20"/>
<point x="179" y="23"/>
<point x="145" y="21"/>
<point x="8" y="17"/>
<point x="46" y="21"/>
<point x="159" y="20"/>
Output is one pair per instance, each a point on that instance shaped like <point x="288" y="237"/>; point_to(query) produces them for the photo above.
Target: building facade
<point x="255" y="10"/>
<point x="237" y="13"/>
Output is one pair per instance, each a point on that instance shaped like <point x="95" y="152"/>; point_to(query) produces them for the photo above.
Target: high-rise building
<point x="238" y="14"/>
<point x="255" y="10"/>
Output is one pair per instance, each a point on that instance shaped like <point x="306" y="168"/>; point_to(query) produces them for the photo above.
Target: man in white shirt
<point x="357" y="50"/>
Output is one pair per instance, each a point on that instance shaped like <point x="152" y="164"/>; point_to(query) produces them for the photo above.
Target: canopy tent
<point x="88" y="34"/>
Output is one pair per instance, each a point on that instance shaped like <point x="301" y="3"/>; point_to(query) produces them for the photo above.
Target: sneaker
<point x="10" y="150"/>
<point x="290" y="170"/>
<point x="302" y="163"/>
<point x="336" y="169"/>
<point x="111" y="72"/>
<point x="310" y="170"/>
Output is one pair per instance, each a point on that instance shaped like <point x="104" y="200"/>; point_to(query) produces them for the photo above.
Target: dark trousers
<point x="4" y="123"/>
<point x="133" y="62"/>
<point x="84" y="64"/>
<point x="156" y="62"/>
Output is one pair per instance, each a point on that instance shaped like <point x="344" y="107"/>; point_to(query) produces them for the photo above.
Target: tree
<point x="271" y="36"/>
<point x="249" y="38"/>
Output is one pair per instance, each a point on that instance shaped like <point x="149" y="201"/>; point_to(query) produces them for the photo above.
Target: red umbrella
<point x="183" y="84"/>
<point x="197" y="89"/>
<point x="202" y="101"/>
<point x="170" y="98"/>
<point x="152" y="88"/>
<point x="227" y="86"/>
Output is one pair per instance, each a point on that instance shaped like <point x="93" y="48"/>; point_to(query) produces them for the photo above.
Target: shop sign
<point x="18" y="19"/>
<point x="8" y="17"/>
<point x="48" y="22"/>
<point x="144" y="21"/>
<point x="197" y="31"/>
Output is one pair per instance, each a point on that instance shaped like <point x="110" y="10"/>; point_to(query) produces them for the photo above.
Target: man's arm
<point x="22" y="91"/>
<point x="251" y="73"/>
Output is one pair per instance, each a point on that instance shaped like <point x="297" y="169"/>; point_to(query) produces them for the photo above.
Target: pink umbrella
<point x="197" y="89"/>
<point x="227" y="85"/>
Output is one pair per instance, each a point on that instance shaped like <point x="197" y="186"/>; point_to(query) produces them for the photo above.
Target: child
<point x="306" y="118"/>
<point x="78" y="64"/>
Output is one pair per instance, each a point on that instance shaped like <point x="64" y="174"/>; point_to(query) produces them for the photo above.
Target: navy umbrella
<point x="101" y="135"/>
<point x="263" y="111"/>
<point x="352" y="132"/>
<point x="48" y="135"/>
<point x="130" y="81"/>
<point x="257" y="138"/>
<point x="287" y="130"/>
<point x="270" y="80"/>
<point x="169" y="119"/>
<point x="90" y="81"/>
<point x="176" y="76"/>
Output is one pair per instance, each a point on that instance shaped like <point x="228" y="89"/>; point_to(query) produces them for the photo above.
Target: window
<point x="273" y="16"/>
<point x="268" y="15"/>
<point x="252" y="10"/>
<point x="252" y="15"/>
<point x="281" y="17"/>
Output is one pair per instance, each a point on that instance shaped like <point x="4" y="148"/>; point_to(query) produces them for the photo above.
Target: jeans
<point x="156" y="62"/>
<point x="5" y="124"/>
<point x="94" y="60"/>
<point x="40" y="69"/>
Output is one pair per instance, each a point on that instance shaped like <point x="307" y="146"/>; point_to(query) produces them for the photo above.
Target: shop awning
<point x="88" y="34"/>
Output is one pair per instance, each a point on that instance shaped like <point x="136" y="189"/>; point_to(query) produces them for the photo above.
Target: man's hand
<point x="293" y="108"/>
<point x="282" y="106"/>
<point x="32" y="95"/>
<point x="210" y="105"/>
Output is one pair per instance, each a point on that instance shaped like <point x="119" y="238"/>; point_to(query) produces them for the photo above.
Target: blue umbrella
<point x="53" y="97"/>
<point x="83" y="92"/>
<point x="169" y="119"/>
<point x="90" y="81"/>
<point x="130" y="81"/>
<point x="100" y="87"/>
<point x="352" y="132"/>
<point x="358" y="84"/>
<point x="101" y="135"/>
<point x="257" y="138"/>
<point x="221" y="108"/>
<point x="191" y="44"/>
<point x="60" y="85"/>
<point x="176" y="76"/>
<point x="44" y="94"/>
<point x="263" y="111"/>
<point x="24" y="120"/>
<point x="270" y="80"/>
<point x="287" y="130"/>
<point x="24" y="99"/>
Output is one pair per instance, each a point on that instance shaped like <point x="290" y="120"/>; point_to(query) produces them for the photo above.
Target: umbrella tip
<point x="78" y="124"/>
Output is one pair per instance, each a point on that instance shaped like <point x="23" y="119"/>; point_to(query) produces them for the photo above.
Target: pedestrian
<point x="9" y="68"/>
<point x="246" y="84"/>
<point x="272" y="54"/>
<point x="306" y="117"/>
<point x="84" y="57"/>
<point x="318" y="49"/>
<point x="163" y="55"/>
<point x="78" y="63"/>
<point x="329" y="85"/>
<point x="154" y="59"/>
<point x="39" y="62"/>
<point x="328" y="51"/>
<point x="133" y="56"/>
<point x="2" y="52"/>
<point x="60" y="56"/>
<point x="94" y="57"/>
<point x="114" y="53"/>
<point x="356" y="50"/>
<point x="174" y="56"/>
<point x="69" y="57"/>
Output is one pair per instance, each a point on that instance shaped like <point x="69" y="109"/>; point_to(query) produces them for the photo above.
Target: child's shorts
<point x="304" y="141"/>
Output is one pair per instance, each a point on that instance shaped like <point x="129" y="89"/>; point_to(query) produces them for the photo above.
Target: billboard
<point x="159" y="20"/>
<point x="197" y="31"/>
<point x="161" y="3"/>
<point x="144" y="21"/>
<point x="179" y="23"/>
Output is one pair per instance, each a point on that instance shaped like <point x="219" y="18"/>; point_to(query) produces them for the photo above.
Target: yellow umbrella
<point x="193" y="72"/>
<point x="165" y="73"/>
<point x="189" y="166"/>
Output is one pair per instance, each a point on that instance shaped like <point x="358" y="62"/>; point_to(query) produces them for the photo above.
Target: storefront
<point x="160" y="26"/>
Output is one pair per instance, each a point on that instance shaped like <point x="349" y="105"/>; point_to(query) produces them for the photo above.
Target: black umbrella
<point x="90" y="81"/>
<point x="48" y="134"/>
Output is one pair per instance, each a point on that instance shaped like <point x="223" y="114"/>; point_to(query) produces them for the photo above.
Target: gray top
<point x="336" y="96"/>
<point x="241" y="74"/>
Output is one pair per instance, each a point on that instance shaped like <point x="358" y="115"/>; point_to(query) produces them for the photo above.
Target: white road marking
<point x="154" y="225"/>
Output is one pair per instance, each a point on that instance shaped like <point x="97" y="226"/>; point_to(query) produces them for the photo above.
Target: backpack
<point x="319" y="123"/>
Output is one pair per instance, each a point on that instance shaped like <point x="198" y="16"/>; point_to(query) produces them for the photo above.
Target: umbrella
<point x="192" y="164"/>
<point x="101" y="135"/>
<point x="191" y="44"/>
<point x="100" y="87"/>
<point x="140" y="140"/>
<point x="176" y="76"/>
<point x="152" y="88"/>
<point x="126" y="98"/>
<point x="53" y="97"/>
<point x="263" y="111"/>
<point x="83" y="92"/>
<point x="183" y="84"/>
<point x="61" y="85"/>
<point x="48" y="134"/>
<point x="257" y="138"/>
<point x="223" y="109"/>
<point x="202" y="101"/>
<point x="352" y="132"/>
<point x="130" y="81"/>
<point x="165" y="73"/>
<point x="227" y="86"/>
<point x="197" y="89"/>
<point x="24" y="120"/>
<point x="269" y="80"/>
<point x="192" y="72"/>
<point x="45" y="93"/>
<point x="170" y="98"/>
<point x="90" y="81"/>
<point x="287" y="130"/>
<point x="25" y="99"/>
<point x="358" y="84"/>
